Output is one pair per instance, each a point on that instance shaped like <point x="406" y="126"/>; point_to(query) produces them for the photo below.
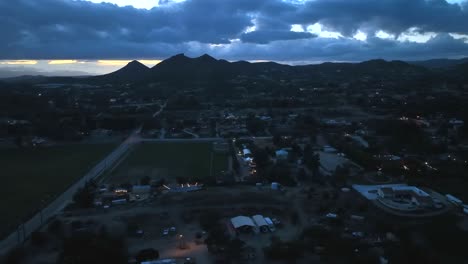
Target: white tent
<point x="246" y="152"/>
<point x="281" y="154"/>
<point x="240" y="221"/>
<point x="259" y="220"/>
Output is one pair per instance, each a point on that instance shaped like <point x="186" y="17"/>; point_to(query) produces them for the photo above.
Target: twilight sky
<point x="77" y="37"/>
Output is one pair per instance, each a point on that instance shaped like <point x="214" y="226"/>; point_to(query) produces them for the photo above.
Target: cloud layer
<point x="231" y="29"/>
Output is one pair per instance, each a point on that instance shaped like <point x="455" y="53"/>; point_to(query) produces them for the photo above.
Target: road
<point x="37" y="221"/>
<point x="203" y="139"/>
<point x="191" y="133"/>
<point x="25" y="229"/>
<point x="160" y="110"/>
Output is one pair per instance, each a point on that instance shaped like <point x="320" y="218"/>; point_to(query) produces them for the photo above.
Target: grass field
<point x="31" y="176"/>
<point x="170" y="160"/>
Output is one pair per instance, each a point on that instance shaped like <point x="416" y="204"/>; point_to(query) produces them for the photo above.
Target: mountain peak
<point x="133" y="70"/>
<point x="136" y="64"/>
<point x="206" y="57"/>
<point x="179" y="56"/>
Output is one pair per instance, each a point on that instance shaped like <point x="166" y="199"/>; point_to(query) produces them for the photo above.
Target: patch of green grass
<point x="190" y="160"/>
<point x="33" y="175"/>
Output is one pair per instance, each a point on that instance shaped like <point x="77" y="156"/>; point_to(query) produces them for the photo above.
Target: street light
<point x="182" y="244"/>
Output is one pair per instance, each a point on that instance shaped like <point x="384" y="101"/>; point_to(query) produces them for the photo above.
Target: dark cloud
<point x="266" y="36"/>
<point x="394" y="16"/>
<point x="55" y="29"/>
<point x="321" y="49"/>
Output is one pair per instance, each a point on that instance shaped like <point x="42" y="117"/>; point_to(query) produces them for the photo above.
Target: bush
<point x="14" y="256"/>
<point x="147" y="255"/>
<point x="38" y="238"/>
<point x="56" y="227"/>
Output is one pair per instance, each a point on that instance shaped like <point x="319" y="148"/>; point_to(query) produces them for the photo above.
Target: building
<point x="243" y="223"/>
<point x="454" y="199"/>
<point x="270" y="223"/>
<point x="329" y="149"/>
<point x="261" y="223"/>
<point x="409" y="193"/>
<point x="246" y="153"/>
<point x="282" y="154"/>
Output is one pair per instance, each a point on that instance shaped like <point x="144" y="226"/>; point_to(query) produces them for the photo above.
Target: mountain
<point x="458" y="72"/>
<point x="180" y="68"/>
<point x="133" y="71"/>
<point x="373" y="69"/>
<point x="439" y="63"/>
<point x="206" y="71"/>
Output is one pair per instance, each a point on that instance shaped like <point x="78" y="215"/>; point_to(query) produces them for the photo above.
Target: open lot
<point x="183" y="211"/>
<point x="32" y="177"/>
<point x="190" y="160"/>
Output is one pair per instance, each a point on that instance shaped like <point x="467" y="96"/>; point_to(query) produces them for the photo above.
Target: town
<point x="272" y="168"/>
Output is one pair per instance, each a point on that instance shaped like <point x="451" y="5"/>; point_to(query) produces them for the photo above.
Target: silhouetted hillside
<point x="133" y="71"/>
<point x="439" y="63"/>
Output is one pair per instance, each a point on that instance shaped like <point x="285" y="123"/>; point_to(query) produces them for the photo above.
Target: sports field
<point x="169" y="160"/>
<point x="33" y="176"/>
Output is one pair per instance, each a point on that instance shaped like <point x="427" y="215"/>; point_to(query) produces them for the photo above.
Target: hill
<point x="206" y="71"/>
<point x="133" y="71"/>
<point x="439" y="63"/>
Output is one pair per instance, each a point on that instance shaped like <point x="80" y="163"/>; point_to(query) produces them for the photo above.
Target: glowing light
<point x="150" y="62"/>
<point x="113" y="62"/>
<point x="125" y="62"/>
<point x="19" y="62"/>
<point x="58" y="62"/>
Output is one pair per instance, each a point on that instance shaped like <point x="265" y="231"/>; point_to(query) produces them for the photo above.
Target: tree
<point x="234" y="249"/>
<point x="56" y="228"/>
<point x="145" y="180"/>
<point x="341" y="174"/>
<point x="301" y="174"/>
<point x="84" y="197"/>
<point x="38" y="238"/>
<point x="216" y="239"/>
<point x="281" y="173"/>
<point x="87" y="248"/>
<point x="261" y="157"/>
<point x="280" y="250"/>
<point x="276" y="139"/>
<point x="14" y="256"/>
<point x="147" y="255"/>
<point x="311" y="160"/>
<point x="19" y="141"/>
<point x="209" y="219"/>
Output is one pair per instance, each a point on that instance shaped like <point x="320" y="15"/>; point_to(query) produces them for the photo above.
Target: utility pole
<point x="24" y="233"/>
<point x="211" y="164"/>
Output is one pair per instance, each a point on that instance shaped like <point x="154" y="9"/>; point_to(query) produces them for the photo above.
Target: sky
<point x="81" y="37"/>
